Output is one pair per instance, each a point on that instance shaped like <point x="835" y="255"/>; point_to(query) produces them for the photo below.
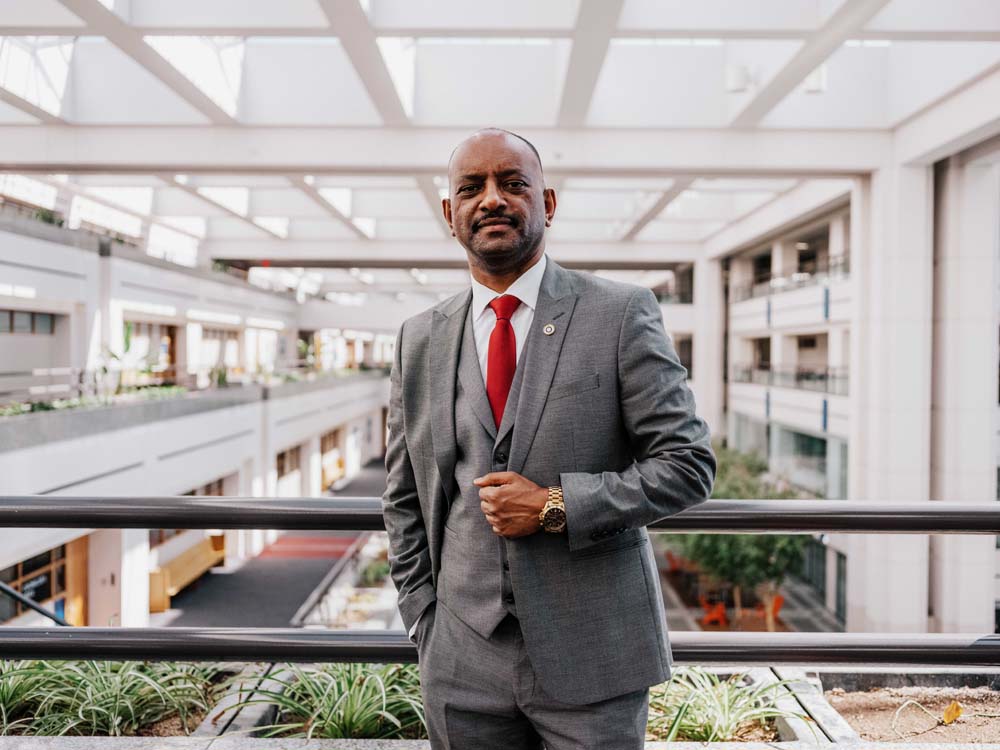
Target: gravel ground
<point x="871" y="714"/>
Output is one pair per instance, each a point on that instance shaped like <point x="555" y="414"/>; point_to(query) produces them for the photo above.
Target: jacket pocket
<point x="573" y="387"/>
<point x="609" y="547"/>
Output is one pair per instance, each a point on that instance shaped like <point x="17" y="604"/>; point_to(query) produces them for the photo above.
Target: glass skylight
<point x="213" y="64"/>
<point x="36" y="69"/>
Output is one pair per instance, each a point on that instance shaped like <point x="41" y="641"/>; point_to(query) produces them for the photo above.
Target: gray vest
<point x="474" y="579"/>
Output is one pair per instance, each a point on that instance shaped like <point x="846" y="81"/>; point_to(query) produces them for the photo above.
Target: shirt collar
<point x="525" y="288"/>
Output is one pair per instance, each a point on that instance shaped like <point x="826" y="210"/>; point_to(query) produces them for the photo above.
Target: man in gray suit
<point x="538" y="422"/>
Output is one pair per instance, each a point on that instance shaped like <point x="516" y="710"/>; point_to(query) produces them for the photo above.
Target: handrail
<point x="319" y="645"/>
<point x="359" y="514"/>
<point x="365" y="514"/>
<point x="31" y="604"/>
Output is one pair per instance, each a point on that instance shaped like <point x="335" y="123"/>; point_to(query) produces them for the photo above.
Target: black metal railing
<point x="364" y="514"/>
<point x="836" y="267"/>
<point x="832" y="380"/>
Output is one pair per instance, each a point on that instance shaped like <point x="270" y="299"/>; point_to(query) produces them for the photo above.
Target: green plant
<point x="101" y="698"/>
<point x="699" y="706"/>
<point x="17" y="686"/>
<point x="757" y="562"/>
<point x="374" y="572"/>
<point x="48" y="216"/>
<point x="341" y="701"/>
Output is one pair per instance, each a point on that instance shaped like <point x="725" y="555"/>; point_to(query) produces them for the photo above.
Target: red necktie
<point x="502" y="358"/>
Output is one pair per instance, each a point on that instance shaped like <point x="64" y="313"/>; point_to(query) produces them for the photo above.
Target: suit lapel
<point x="470" y="373"/>
<point x="446" y="339"/>
<point x="556" y="301"/>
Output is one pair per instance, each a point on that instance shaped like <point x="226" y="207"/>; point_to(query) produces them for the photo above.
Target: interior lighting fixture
<point x="151" y="308"/>
<point x="275" y="325"/>
<point x="801" y="245"/>
<point x="25" y="292"/>
<point x="210" y="316"/>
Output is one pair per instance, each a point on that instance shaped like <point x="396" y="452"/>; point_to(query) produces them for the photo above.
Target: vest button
<point x="501" y="457"/>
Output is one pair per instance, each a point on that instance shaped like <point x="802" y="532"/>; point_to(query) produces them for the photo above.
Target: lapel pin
<point x="549" y="329"/>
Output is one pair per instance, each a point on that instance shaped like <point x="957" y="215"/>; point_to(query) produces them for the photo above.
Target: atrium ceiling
<point x="311" y="136"/>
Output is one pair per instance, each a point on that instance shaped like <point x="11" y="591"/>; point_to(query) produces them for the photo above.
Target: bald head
<point x="494" y="133"/>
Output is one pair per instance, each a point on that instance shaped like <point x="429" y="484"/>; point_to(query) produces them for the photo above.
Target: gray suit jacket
<point x="604" y="410"/>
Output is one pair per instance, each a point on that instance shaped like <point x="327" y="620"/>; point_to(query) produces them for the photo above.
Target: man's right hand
<point x="424" y="624"/>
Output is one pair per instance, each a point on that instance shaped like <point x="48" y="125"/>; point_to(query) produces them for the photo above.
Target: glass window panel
<point x="4" y="321"/>
<point x="38" y="588"/>
<point x="22" y="322"/>
<point x="8" y="574"/>
<point x="43" y="323"/>
<point x="8" y="608"/>
<point x="34" y="563"/>
<point x="59" y="553"/>
<point x="60" y="579"/>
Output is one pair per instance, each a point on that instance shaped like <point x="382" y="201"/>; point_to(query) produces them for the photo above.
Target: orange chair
<point x="715" y="613"/>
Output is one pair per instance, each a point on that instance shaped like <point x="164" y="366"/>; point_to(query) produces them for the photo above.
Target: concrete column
<point x="312" y="460"/>
<point x="118" y="586"/>
<point x="784" y="258"/>
<point x="707" y="343"/>
<point x="890" y="392"/>
<point x="964" y="397"/>
<point x="838" y="236"/>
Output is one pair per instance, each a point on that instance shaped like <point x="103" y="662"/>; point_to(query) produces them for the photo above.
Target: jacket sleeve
<point x="409" y="554"/>
<point x="673" y="467"/>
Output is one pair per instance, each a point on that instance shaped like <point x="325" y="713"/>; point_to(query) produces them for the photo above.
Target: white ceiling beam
<point x="429" y="254"/>
<point x="9" y="97"/>
<point x="430" y="192"/>
<point x="792" y="208"/>
<point x="172" y="181"/>
<point x="300" y="182"/>
<point x="594" y="152"/>
<point x="348" y="19"/>
<point x="838" y="28"/>
<point x="103" y="22"/>
<point x="596" y="22"/>
<point x="668" y="197"/>
<point x="896" y="35"/>
<point x="966" y="117"/>
<point x="84" y="192"/>
<point x="350" y="22"/>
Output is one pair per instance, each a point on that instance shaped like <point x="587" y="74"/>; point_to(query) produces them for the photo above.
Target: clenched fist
<point x="511" y="503"/>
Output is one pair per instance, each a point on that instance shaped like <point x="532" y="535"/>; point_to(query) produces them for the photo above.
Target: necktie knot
<point x="504" y="306"/>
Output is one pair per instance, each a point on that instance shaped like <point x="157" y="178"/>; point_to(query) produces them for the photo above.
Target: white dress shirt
<point x="484" y="320"/>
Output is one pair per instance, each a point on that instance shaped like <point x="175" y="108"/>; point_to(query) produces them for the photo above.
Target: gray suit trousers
<point x="481" y="694"/>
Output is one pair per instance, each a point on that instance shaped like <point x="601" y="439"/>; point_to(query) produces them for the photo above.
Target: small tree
<point x="758" y="562"/>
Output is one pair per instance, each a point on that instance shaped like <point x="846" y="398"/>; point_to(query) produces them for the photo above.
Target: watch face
<point x="555" y="518"/>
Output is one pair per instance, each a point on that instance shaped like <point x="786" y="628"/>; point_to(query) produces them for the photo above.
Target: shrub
<point x="341" y="701"/>
<point x="100" y="698"/>
<point x="699" y="706"/>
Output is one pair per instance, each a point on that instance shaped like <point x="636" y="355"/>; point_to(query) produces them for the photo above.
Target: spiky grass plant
<point x="341" y="701"/>
<point x="699" y="706"/>
<point x="18" y="686"/>
<point x="101" y="698"/>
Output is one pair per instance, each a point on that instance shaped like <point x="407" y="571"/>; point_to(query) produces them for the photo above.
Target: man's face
<point x="498" y="204"/>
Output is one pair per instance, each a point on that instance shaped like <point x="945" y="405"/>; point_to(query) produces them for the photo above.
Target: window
<point x="288" y="461"/>
<point x="40" y="578"/>
<point x="22" y="321"/>
<point x="814" y="567"/>
<point x="841" y="602"/>
<point x="329" y="442"/>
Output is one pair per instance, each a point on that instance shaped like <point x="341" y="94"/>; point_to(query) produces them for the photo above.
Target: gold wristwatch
<point x="553" y="515"/>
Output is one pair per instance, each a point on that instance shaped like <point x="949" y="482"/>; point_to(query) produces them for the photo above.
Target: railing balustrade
<point x="362" y="514"/>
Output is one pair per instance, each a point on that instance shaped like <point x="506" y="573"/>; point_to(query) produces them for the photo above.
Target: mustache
<point x="493" y="218"/>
